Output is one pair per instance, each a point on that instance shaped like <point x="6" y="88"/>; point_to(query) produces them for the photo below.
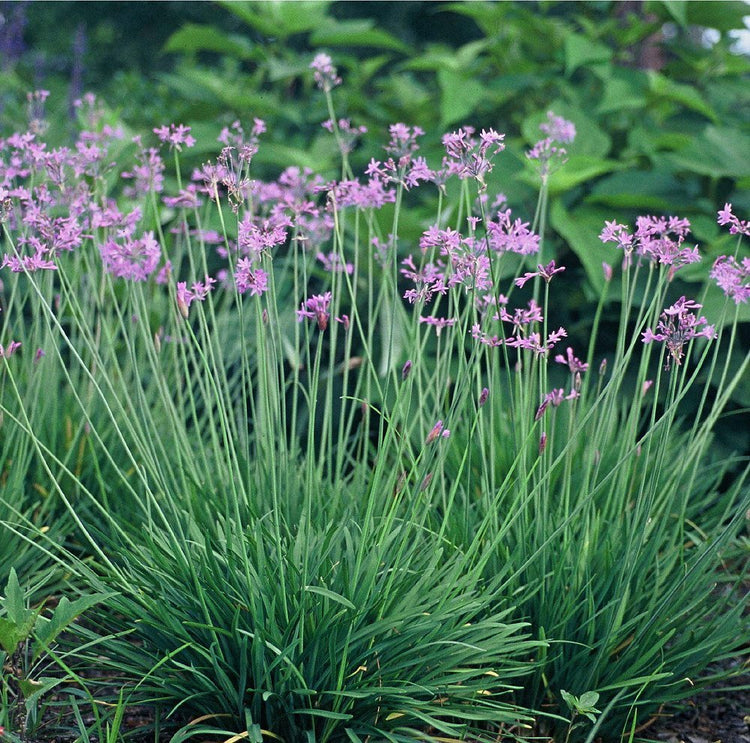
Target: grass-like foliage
<point x="328" y="486"/>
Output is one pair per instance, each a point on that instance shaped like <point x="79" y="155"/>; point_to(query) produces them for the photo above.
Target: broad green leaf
<point x="193" y="37"/>
<point x="678" y="10"/>
<point x="662" y="88"/>
<point x="459" y="96"/>
<point x="14" y="602"/>
<point x="590" y="138"/>
<point x="588" y="699"/>
<point x="356" y="33"/>
<point x="581" y="231"/>
<point x="722" y="15"/>
<point x="580" y="50"/>
<point x="65" y="612"/>
<point x="624" y="90"/>
<point x="646" y="190"/>
<point x="577" y="170"/>
<point x="29" y="686"/>
<point x="715" y="152"/>
<point x="280" y="19"/>
<point x="435" y="58"/>
<point x="11" y="634"/>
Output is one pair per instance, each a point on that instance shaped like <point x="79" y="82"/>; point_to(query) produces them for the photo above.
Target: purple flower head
<point x="533" y="342"/>
<point x="334" y="263"/>
<point x="506" y="236"/>
<point x="436" y="432"/>
<point x="736" y="226"/>
<point x="678" y="325"/>
<point x="554" y="398"/>
<point x="255" y="240"/>
<point x="176" y="136"/>
<point x="732" y="277"/>
<point x="546" y="272"/>
<point x="9" y="350"/>
<point x="575" y="365"/>
<point x="132" y="258"/>
<point x="467" y="158"/>
<point x="198" y="291"/>
<point x="316" y="308"/>
<point x="30" y="263"/>
<point x="403" y="141"/>
<point x="558" y="128"/>
<point x="658" y="239"/>
<point x="325" y="74"/>
<point x="483" y="396"/>
<point x="147" y="175"/>
<point x="437" y="322"/>
<point x="248" y="278"/>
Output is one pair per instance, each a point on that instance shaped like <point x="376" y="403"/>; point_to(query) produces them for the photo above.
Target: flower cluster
<point x="678" y="325"/>
<point x="547" y="152"/>
<point x="325" y="74"/>
<point x="657" y="239"/>
<point x="732" y="277"/>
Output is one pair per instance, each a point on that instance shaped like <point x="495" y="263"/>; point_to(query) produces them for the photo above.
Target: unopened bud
<point x="405" y="370"/>
<point x="542" y="442"/>
<point x="485" y="393"/>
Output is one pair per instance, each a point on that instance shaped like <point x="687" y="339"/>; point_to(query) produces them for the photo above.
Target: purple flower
<point x="737" y="226"/>
<point x="732" y="277"/>
<point x="176" y="135"/>
<point x="248" y="278"/>
<point x="558" y="128"/>
<point x="575" y="365"/>
<point x="467" y="158"/>
<point x="533" y="342"/>
<point x="546" y="272"/>
<point x="437" y="431"/>
<point x="198" y="291"/>
<point x="30" y="263"/>
<point x="316" y="308"/>
<point x="677" y="325"/>
<point x="437" y="322"/>
<point x="148" y="175"/>
<point x="506" y="236"/>
<point x="9" y="350"/>
<point x="333" y="263"/>
<point x="554" y="398"/>
<point x="134" y="259"/>
<point x="658" y="239"/>
<point x="324" y="73"/>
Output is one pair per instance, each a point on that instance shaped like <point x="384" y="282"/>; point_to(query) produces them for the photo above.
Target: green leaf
<point x="723" y="16"/>
<point x="356" y="33"/>
<point x="717" y="151"/>
<point x="588" y="699"/>
<point x="280" y="20"/>
<point x="678" y="10"/>
<point x="65" y="612"/>
<point x="577" y="170"/>
<point x="193" y="37"/>
<point x="581" y="232"/>
<point x="338" y="598"/>
<point x="580" y="50"/>
<point x="11" y="635"/>
<point x="624" y="90"/>
<point x="662" y="88"/>
<point x="459" y="96"/>
<point x="652" y="190"/>
<point x="14" y="602"/>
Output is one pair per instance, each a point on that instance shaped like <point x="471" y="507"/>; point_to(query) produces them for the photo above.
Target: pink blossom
<point x="316" y="308"/>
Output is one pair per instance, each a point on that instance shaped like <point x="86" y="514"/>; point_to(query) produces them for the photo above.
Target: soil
<point x="713" y="716"/>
